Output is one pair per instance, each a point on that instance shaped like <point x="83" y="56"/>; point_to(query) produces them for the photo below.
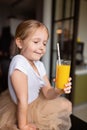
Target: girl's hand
<point x="29" y="127"/>
<point x="67" y="88"/>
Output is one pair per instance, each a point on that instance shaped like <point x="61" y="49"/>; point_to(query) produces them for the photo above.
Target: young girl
<point x="36" y="103"/>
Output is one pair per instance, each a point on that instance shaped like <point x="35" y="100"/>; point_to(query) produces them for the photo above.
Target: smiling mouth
<point x="38" y="53"/>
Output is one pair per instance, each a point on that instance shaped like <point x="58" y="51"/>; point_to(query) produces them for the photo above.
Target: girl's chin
<point x="37" y="59"/>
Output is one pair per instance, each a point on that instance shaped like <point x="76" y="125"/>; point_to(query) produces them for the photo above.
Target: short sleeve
<point x="21" y="67"/>
<point x="19" y="63"/>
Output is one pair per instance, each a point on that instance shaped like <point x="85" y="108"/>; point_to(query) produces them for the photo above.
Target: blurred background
<point x="66" y="21"/>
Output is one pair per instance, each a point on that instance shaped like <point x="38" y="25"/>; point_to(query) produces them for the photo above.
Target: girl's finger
<point x="69" y="79"/>
<point x="67" y="91"/>
<point x="67" y="88"/>
<point x="54" y="79"/>
<point x="68" y="84"/>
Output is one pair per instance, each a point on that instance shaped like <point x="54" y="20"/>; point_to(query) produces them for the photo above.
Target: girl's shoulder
<point x="19" y="62"/>
<point x="19" y="59"/>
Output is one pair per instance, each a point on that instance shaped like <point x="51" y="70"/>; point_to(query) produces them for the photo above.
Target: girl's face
<point x="33" y="48"/>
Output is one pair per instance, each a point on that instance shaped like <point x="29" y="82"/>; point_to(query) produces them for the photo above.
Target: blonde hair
<point x="27" y="28"/>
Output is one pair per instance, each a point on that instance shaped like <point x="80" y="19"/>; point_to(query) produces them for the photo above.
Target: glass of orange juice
<point x="62" y="73"/>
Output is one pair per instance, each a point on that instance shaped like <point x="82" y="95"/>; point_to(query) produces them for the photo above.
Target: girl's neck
<point x="34" y="66"/>
<point x="31" y="63"/>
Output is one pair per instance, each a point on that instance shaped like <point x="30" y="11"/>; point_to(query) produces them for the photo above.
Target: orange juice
<point x="62" y="75"/>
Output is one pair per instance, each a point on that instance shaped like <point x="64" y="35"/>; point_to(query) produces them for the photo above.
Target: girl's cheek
<point x="44" y="51"/>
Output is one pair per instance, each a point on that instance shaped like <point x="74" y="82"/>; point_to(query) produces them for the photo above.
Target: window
<point x="62" y="30"/>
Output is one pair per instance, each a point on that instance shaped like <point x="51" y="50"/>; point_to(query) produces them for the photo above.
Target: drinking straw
<point x="58" y="50"/>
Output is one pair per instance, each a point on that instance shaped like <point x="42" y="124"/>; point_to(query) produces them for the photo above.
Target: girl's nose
<point x="41" y="46"/>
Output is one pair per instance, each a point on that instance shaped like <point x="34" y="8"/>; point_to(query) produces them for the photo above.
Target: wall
<point x="80" y="94"/>
<point x="3" y="17"/>
<point x="13" y="24"/>
<point x="47" y="21"/>
<point x="82" y="32"/>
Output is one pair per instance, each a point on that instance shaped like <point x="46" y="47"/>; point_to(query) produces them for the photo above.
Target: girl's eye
<point x="44" y="44"/>
<point x="35" y="41"/>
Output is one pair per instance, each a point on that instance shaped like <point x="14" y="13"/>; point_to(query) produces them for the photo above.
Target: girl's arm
<point x="51" y="92"/>
<point x="20" y="83"/>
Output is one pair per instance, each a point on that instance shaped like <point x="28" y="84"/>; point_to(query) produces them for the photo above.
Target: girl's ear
<point x="19" y="43"/>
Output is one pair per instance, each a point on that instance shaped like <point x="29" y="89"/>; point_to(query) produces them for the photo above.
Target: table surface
<point x="78" y="124"/>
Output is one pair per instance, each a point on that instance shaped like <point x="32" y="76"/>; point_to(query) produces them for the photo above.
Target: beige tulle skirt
<point x="45" y="114"/>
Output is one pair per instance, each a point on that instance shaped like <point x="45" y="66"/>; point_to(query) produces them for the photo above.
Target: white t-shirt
<point x="35" y="81"/>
